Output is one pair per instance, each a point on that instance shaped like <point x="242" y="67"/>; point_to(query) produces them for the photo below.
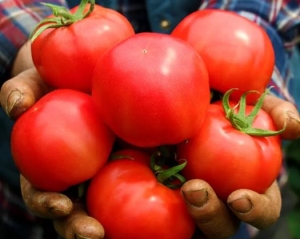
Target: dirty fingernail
<point x="13" y="99"/>
<point x="197" y="198"/>
<point x="241" y="205"/>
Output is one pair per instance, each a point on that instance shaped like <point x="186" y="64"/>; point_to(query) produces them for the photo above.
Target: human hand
<point x="219" y="220"/>
<point x="214" y="218"/>
<point x="25" y="87"/>
<point x="210" y="217"/>
<point x="69" y="218"/>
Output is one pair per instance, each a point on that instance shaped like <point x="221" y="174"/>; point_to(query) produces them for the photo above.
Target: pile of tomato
<point x="135" y="115"/>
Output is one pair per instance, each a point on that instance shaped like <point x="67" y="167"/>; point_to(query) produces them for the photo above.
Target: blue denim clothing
<point x="295" y="68"/>
<point x="156" y="12"/>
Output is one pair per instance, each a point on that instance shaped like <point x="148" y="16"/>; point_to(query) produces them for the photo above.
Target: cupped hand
<point x="214" y="218"/>
<point x="219" y="220"/>
<point x="69" y="218"/>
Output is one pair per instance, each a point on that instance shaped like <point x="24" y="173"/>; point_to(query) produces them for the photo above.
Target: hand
<point x="214" y="218"/>
<point x="218" y="220"/>
<point x="25" y="87"/>
<point x="23" y="90"/>
<point x="69" y="218"/>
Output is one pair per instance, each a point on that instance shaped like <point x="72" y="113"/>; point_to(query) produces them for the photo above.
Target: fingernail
<point x="241" y="205"/>
<point x="196" y="198"/>
<point x="13" y="99"/>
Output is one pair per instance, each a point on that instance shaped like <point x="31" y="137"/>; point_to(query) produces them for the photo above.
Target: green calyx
<point x="162" y="165"/>
<point x="170" y="176"/>
<point x="62" y="17"/>
<point x="243" y="122"/>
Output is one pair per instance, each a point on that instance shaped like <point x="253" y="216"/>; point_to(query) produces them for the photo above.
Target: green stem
<point x="166" y="174"/>
<point x="170" y="175"/>
<point x="243" y="122"/>
<point x="62" y="17"/>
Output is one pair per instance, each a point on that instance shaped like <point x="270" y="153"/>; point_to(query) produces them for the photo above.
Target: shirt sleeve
<point x="281" y="20"/>
<point x="17" y="20"/>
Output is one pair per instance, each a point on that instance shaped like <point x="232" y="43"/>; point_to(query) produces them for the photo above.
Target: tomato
<point x="229" y="159"/>
<point x="65" y="56"/>
<point x="127" y="199"/>
<point x="237" y="52"/>
<point x="60" y="141"/>
<point x="152" y="89"/>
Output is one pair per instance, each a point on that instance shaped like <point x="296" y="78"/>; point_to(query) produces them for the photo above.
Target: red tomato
<point x="65" y="57"/>
<point x="127" y="199"/>
<point x="237" y="52"/>
<point x="152" y="89"/>
<point x="229" y="159"/>
<point x="60" y="141"/>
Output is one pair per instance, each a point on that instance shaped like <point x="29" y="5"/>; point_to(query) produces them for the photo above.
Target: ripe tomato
<point x="152" y="89"/>
<point x="229" y="159"/>
<point x="60" y="141"/>
<point x="237" y="52"/>
<point x="65" y="57"/>
<point x="127" y="199"/>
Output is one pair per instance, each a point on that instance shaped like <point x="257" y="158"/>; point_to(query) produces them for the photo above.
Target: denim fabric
<point x="242" y="233"/>
<point x="295" y="83"/>
<point x="172" y="11"/>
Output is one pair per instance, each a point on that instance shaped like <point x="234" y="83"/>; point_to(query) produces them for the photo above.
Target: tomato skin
<point x="229" y="159"/>
<point x="65" y="57"/>
<point x="130" y="203"/>
<point x="152" y="90"/>
<point x="60" y="141"/>
<point x="237" y="52"/>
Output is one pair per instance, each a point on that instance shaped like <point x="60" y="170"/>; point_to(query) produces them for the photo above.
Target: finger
<point x="211" y="215"/>
<point x="21" y="92"/>
<point x="79" y="225"/>
<point x="45" y="204"/>
<point x="259" y="210"/>
<point x="23" y="60"/>
<point x="283" y="112"/>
